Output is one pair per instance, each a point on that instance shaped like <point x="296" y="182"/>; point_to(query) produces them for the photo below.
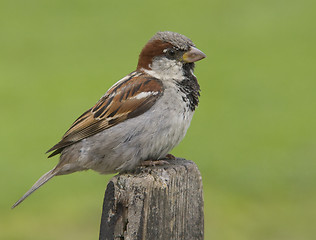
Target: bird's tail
<point x="43" y="179"/>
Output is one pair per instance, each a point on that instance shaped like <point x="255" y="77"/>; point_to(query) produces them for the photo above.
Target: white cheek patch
<point x="144" y="95"/>
<point x="166" y="69"/>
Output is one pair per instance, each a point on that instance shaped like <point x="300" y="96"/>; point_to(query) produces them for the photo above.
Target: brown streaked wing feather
<point x="118" y="104"/>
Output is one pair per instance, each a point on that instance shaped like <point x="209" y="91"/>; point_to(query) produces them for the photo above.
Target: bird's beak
<point x="193" y="55"/>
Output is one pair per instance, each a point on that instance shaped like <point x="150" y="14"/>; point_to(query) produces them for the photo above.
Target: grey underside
<point x="149" y="136"/>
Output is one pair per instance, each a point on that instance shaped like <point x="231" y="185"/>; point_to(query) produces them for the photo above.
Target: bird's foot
<point x="170" y="157"/>
<point x="153" y="163"/>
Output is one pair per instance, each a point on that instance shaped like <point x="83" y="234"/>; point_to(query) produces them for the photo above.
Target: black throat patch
<point x="190" y="87"/>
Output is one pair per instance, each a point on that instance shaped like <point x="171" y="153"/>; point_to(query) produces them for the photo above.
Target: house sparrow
<point x="141" y="117"/>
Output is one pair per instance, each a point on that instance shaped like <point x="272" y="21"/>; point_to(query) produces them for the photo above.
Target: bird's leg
<point x="158" y="162"/>
<point x="147" y="163"/>
<point x="170" y="157"/>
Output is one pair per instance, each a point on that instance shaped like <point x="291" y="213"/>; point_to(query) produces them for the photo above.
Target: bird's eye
<point x="170" y="52"/>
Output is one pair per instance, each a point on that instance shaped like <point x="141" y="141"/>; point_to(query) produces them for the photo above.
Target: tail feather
<point x="43" y="179"/>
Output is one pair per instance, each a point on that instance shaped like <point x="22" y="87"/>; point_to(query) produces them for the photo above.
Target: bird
<point x="140" y="118"/>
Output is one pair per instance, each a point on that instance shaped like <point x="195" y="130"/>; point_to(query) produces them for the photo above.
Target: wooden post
<point x="158" y="202"/>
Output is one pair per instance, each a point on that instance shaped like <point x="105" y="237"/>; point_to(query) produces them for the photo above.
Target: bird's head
<point x="168" y="53"/>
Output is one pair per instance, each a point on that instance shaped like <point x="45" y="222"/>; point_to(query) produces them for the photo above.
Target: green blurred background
<point x="253" y="135"/>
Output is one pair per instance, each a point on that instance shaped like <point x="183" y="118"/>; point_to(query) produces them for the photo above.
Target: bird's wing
<point x="128" y="98"/>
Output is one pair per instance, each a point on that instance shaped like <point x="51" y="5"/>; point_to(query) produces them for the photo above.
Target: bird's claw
<point x="154" y="163"/>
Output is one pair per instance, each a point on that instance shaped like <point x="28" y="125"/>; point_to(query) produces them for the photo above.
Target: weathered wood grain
<point x="158" y="202"/>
